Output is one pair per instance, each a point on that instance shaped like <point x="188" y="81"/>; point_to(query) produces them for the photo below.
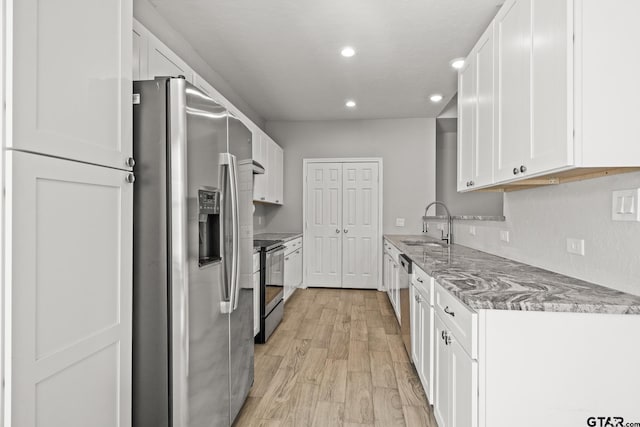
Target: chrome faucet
<point x="425" y="226"/>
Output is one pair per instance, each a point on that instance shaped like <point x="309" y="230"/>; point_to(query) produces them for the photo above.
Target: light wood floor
<point x="337" y="359"/>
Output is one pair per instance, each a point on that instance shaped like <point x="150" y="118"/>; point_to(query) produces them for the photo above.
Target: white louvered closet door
<point x="342" y="234"/>
<point x="324" y="224"/>
<point x="360" y="242"/>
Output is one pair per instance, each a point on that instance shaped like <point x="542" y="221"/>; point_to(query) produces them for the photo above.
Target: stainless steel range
<point x="271" y="286"/>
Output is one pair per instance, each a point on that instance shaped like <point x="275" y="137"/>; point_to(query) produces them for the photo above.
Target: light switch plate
<point x="625" y="205"/>
<point x="399" y="222"/>
<point x="504" y="235"/>
<point x="575" y="246"/>
<point x="472" y="230"/>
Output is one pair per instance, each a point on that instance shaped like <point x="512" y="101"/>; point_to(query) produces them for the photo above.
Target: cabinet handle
<point x="419" y="280"/>
<point x="470" y="183"/>
<point x="262" y="198"/>
<point x="442" y="334"/>
<point x="450" y="313"/>
<point x="277" y="201"/>
<point x="523" y="168"/>
<point x="131" y="162"/>
<point x="286" y="259"/>
<point x="337" y="231"/>
<point x="447" y="339"/>
<point x="131" y="178"/>
<point x="346" y="231"/>
<point x="516" y="171"/>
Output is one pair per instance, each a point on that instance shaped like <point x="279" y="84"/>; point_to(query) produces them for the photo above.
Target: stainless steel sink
<point x="422" y="243"/>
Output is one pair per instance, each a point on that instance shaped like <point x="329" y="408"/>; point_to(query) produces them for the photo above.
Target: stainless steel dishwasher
<point x="404" y="280"/>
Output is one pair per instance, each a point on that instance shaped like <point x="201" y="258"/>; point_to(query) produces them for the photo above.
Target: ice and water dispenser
<point x="209" y="226"/>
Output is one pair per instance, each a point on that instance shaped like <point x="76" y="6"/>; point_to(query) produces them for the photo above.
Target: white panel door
<point x="69" y="241"/>
<point x="323" y="244"/>
<point x="71" y="68"/>
<point x="426" y="350"/>
<point x="514" y="87"/>
<point x="360" y="240"/>
<point x="163" y="62"/>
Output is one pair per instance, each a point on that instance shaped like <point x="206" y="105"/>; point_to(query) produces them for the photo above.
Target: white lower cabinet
<point x="256" y="294"/>
<point x="456" y="385"/>
<point x="422" y="328"/>
<point x="391" y="276"/>
<point x="69" y="284"/>
<point x="292" y="267"/>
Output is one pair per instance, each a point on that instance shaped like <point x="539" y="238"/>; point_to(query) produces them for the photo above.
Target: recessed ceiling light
<point x="347" y="52"/>
<point x="457" y="63"/>
<point x="350" y="103"/>
<point x="436" y="97"/>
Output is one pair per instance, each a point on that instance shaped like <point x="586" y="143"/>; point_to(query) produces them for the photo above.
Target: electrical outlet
<point x="575" y="246"/>
<point x="259" y="220"/>
<point x="399" y="222"/>
<point x="472" y="230"/>
<point x="504" y="236"/>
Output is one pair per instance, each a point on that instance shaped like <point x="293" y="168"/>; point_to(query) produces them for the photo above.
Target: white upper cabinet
<point x="476" y="122"/>
<point x="163" y="62"/>
<point x="466" y="123"/>
<point x="71" y="79"/>
<point x="559" y="110"/>
<point x="513" y="28"/>
<point x="268" y="187"/>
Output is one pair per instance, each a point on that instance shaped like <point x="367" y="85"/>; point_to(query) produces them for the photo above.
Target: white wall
<point x="148" y="16"/>
<point x="540" y="221"/>
<point x="407" y="147"/>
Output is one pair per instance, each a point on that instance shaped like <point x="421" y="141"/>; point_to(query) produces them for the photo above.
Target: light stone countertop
<point x="282" y="237"/>
<point x="485" y="281"/>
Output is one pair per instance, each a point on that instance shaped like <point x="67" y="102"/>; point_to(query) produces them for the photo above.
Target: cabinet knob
<point x="470" y="183"/>
<point x="516" y="171"/>
<point x="442" y="334"/>
<point x="262" y="198"/>
<point x="130" y="178"/>
<point x="346" y="231"/>
<point x="277" y="201"/>
<point x="131" y="162"/>
<point x="286" y="259"/>
<point x="337" y="231"/>
<point x="523" y="168"/>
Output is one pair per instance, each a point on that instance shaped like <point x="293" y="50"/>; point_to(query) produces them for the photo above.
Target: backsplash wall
<point x="540" y="220"/>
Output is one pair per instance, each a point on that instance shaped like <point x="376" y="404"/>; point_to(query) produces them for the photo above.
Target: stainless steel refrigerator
<point x="193" y="243"/>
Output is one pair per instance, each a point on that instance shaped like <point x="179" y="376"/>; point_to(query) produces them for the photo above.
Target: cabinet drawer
<point x="256" y="262"/>
<point x="423" y="283"/>
<point x="292" y="245"/>
<point x="392" y="250"/>
<point x="460" y="320"/>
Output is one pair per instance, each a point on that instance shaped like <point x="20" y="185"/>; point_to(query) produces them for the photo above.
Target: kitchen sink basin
<point x="422" y="243"/>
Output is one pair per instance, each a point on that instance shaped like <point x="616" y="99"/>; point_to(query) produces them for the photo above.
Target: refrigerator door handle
<point x="226" y="303"/>
<point x="235" y="279"/>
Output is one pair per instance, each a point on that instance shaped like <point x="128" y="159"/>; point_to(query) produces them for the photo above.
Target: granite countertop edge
<point x="283" y="237"/>
<point x="490" y="282"/>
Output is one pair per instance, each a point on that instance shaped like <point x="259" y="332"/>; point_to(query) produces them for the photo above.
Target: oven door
<point x="274" y="279"/>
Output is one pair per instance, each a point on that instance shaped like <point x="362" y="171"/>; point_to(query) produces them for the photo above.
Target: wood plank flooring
<point x="337" y="359"/>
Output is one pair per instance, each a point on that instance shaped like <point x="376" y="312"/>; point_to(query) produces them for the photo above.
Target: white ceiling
<point x="283" y="56"/>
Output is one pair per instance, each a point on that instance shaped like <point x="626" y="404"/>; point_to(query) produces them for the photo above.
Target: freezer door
<point x="241" y="322"/>
<point x="200" y="327"/>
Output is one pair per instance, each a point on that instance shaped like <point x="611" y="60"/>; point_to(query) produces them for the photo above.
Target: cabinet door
<point x="163" y="62"/>
<point x="387" y="274"/>
<point x="464" y="387"/>
<point x="297" y="279"/>
<point x="426" y="347"/>
<point x="552" y="84"/>
<point x="256" y="303"/>
<point x="396" y="289"/>
<point x="467" y="103"/>
<point x="261" y="182"/>
<point x="483" y="148"/>
<point x="441" y="388"/>
<point x="276" y="158"/>
<point x="288" y="275"/>
<point x="72" y="80"/>
<point x="513" y="29"/>
<point x="416" y="328"/>
<point x="70" y="288"/>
